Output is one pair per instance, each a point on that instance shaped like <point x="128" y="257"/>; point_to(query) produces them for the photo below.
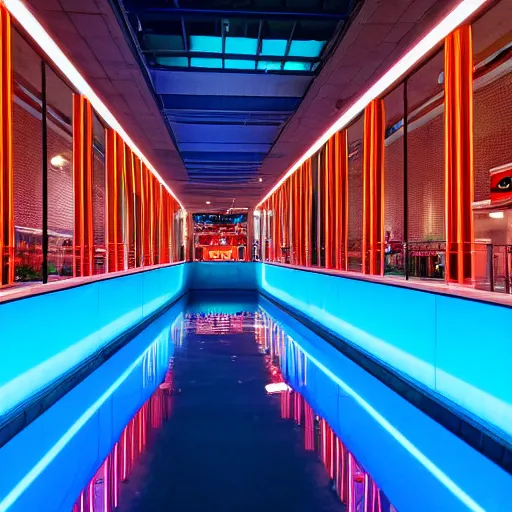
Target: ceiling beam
<point x="241" y="56"/>
<point x="260" y="41"/>
<point x="289" y="43"/>
<point x="169" y="12"/>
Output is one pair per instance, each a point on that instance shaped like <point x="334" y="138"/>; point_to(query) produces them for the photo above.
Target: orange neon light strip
<point x="122" y="205"/>
<point x="78" y="183"/>
<point x="325" y="168"/>
<point x="83" y="232"/>
<point x="337" y="202"/>
<point x="112" y="200"/>
<point x="128" y="179"/>
<point x="6" y="169"/>
<point x="88" y="184"/>
<point x="459" y="179"/>
<point x="373" y="188"/>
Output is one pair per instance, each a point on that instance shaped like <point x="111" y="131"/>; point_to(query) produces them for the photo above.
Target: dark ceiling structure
<point x="228" y="74"/>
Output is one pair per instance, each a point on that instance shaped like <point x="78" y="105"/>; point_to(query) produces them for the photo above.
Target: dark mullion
<point x="189" y="58"/>
<point x="223" y="35"/>
<point x="183" y="32"/>
<point x="288" y="45"/>
<point x="406" y="178"/>
<point x="283" y="14"/>
<point x="184" y="35"/>
<point x="45" y="171"/>
<point x="239" y="71"/>
<point x="243" y="56"/>
<point x="260" y="43"/>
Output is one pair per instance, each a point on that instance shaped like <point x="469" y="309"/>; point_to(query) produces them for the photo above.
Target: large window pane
<point x="425" y="143"/>
<point x="99" y="198"/>
<point x="493" y="147"/>
<point x="355" y="195"/>
<point x="394" y="182"/>
<point x="315" y="211"/>
<point x="27" y="161"/>
<point x="321" y="206"/>
<point x="60" y="177"/>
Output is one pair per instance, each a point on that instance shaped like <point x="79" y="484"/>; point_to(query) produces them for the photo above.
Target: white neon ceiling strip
<point x="27" y="20"/>
<point x="455" y="18"/>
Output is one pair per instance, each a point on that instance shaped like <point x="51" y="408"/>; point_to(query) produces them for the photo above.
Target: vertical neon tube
<point x="116" y="477"/>
<point x="124" y="473"/>
<point x="106" y="485"/>
<point x="91" y="495"/>
<point x="6" y="169"/>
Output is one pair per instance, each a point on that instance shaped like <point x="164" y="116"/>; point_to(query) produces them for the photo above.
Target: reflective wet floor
<point x="226" y="446"/>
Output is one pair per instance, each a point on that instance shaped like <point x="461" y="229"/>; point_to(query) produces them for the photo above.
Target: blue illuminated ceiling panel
<point x="229" y="77"/>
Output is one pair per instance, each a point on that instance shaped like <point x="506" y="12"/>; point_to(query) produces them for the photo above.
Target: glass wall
<point x="425" y="170"/>
<point x="98" y="196"/>
<point x="48" y="190"/>
<point x="220" y="237"/>
<point x="394" y="182"/>
<point x="492" y="100"/>
<point x="355" y="194"/>
<point x="315" y="211"/>
<point x="60" y="176"/>
<point x="418" y="163"/>
<point x="322" y="199"/>
<point x="27" y="146"/>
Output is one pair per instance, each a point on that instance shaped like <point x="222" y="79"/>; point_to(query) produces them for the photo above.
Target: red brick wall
<point x="393" y="189"/>
<point x="27" y="163"/>
<point x="355" y="182"/>
<point x="99" y="202"/>
<point x="28" y="183"/>
<point x="492" y="147"/>
<point x="426" y="181"/>
<point x="60" y="185"/>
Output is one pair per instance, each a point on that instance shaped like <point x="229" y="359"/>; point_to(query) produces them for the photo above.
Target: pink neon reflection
<point x="103" y="491"/>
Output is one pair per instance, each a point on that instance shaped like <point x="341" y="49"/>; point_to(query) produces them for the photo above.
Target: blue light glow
<point x="198" y="62"/>
<point x="297" y="66"/>
<point x="440" y="475"/>
<point x="269" y="65"/>
<point x="43" y="463"/>
<point x="306" y="48"/>
<point x="207" y="44"/>
<point x="432" y="355"/>
<point x="274" y="47"/>
<point x="179" y="62"/>
<point x="241" y="45"/>
<point x="239" y="64"/>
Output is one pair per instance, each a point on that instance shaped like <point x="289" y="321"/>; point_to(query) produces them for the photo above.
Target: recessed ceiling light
<point x="260" y="179"/>
<point x="207" y="202"/>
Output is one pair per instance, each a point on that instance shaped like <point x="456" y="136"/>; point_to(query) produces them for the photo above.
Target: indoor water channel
<point x="230" y="425"/>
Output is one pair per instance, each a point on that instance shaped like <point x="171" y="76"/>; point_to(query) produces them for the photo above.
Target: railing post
<point x="490" y="266"/>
